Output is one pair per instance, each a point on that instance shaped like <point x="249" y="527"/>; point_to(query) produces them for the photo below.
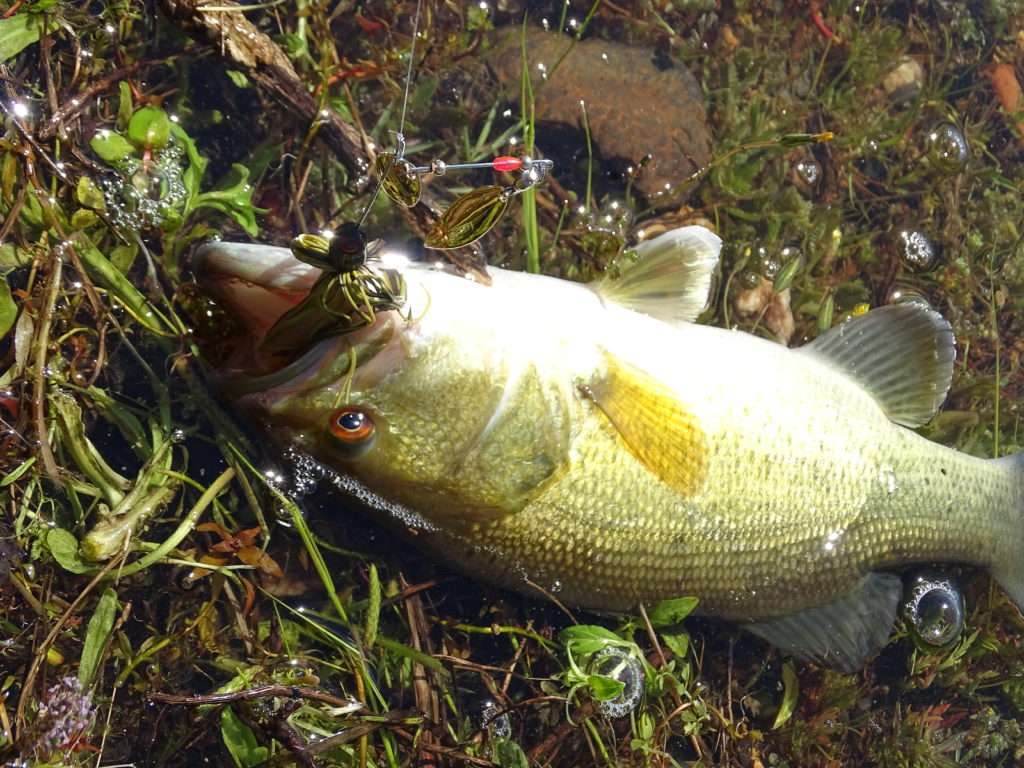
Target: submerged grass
<point x="229" y="614"/>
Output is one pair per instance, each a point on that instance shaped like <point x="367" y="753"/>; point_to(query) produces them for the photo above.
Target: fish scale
<point x="595" y="443"/>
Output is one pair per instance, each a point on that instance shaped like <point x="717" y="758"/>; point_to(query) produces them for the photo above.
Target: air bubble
<point x="934" y="610"/>
<point x="916" y="250"/>
<point x="623" y="666"/>
<point x="497" y="723"/>
<point x="947" y="149"/>
<point x="808" y="171"/>
<point x="903" y="295"/>
<point x="144" y="194"/>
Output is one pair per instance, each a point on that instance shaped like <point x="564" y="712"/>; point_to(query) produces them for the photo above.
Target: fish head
<point x="429" y="405"/>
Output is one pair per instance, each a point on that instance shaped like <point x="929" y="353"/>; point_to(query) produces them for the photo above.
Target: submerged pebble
<point x="916" y="250"/>
<point x="623" y="666"/>
<point x="947" y="148"/>
<point x="903" y="82"/>
<point x="934" y="610"/>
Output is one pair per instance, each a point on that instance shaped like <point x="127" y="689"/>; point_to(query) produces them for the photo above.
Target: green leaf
<point x="17" y="472"/>
<point x="83" y="218"/>
<point x="238" y="78"/>
<point x="240" y="740"/>
<point x="588" y="638"/>
<point x="669" y="612"/>
<point x="786" y="275"/>
<point x="235" y="201"/>
<point x="193" y="175"/>
<point x="825" y="312"/>
<point x="121" y="287"/>
<point x="123" y="256"/>
<point x="112" y="147"/>
<point x="100" y="624"/>
<point x="64" y="547"/>
<point x="8" y="309"/>
<point x="508" y="754"/>
<point x="605" y="688"/>
<point x="89" y="195"/>
<point x="149" y="128"/>
<point x="373" y="610"/>
<point x="18" y="33"/>
<point x="124" y="104"/>
<point x="679" y="644"/>
<point x="790" y="692"/>
<point x="12" y="257"/>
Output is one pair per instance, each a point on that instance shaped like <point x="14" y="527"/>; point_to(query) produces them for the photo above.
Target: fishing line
<point x="400" y="136"/>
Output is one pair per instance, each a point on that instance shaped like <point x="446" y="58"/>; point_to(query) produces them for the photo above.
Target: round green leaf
<point x="149" y="128"/>
<point x="112" y="147"/>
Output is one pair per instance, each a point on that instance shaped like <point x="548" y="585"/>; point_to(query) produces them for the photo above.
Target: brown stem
<point x="248" y="694"/>
<point x="75" y="104"/>
<point x="39" y="379"/>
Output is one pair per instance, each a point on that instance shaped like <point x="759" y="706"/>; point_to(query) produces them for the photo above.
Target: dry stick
<point x="33" y="672"/>
<point x="248" y="694"/>
<point x="39" y="377"/>
<point x="421" y="686"/>
<point x="75" y="104"/>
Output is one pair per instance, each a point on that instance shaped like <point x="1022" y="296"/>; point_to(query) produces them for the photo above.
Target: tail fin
<point x="1010" y="574"/>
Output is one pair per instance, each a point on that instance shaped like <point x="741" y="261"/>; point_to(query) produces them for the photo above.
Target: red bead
<point x="507" y="163"/>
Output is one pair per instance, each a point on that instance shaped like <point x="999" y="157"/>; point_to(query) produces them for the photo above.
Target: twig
<point x="75" y="104"/>
<point x="249" y="694"/>
<point x="39" y="375"/>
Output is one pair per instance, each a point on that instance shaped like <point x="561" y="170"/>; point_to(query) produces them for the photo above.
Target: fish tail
<point x="1010" y="572"/>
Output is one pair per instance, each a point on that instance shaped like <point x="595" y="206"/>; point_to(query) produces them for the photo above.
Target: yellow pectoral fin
<point x="656" y="428"/>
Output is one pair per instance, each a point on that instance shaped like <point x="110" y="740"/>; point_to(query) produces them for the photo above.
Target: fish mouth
<point x="256" y="283"/>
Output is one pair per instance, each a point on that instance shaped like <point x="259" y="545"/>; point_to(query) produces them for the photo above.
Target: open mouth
<point x="256" y="283"/>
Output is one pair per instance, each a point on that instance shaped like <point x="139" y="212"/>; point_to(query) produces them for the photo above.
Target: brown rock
<point x="636" y="106"/>
<point x="769" y="307"/>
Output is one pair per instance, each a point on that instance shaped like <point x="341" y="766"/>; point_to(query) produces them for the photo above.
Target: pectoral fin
<point x="656" y="428"/>
<point x="841" y="634"/>
<point x="903" y="355"/>
<point x="670" y="276"/>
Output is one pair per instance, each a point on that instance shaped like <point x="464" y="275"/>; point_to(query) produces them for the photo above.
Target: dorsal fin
<point x="670" y="278"/>
<point x="902" y="354"/>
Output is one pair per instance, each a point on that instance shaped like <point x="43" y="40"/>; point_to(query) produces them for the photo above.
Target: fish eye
<point x="352" y="426"/>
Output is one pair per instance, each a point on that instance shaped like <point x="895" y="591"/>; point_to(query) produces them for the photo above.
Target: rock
<point x="903" y="83"/>
<point x="638" y="103"/>
<point x="771" y="308"/>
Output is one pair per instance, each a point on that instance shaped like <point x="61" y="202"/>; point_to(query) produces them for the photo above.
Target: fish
<point x="595" y="441"/>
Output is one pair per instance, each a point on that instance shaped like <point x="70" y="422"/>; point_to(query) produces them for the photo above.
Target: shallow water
<point x="850" y="155"/>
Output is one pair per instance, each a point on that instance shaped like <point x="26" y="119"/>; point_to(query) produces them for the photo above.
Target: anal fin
<point x="844" y="633"/>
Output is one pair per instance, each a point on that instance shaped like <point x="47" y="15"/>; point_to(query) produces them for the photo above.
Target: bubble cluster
<point x="305" y="475"/>
<point x="947" y="149"/>
<point x="934" y="610"/>
<point x="916" y="250"/>
<point x="496" y="722"/>
<point x="145" y="192"/>
<point x="619" y="664"/>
